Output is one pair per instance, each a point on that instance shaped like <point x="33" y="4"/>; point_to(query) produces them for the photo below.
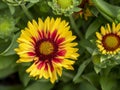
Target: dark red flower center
<point x="49" y="48"/>
<point x="111" y="42"/>
<point x="46" y="49"/>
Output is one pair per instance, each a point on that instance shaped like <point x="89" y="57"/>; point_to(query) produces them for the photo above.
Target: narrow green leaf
<point x="81" y="69"/>
<point x="93" y="28"/>
<point x="12" y="9"/>
<point x="106" y="16"/>
<point x="107" y="9"/>
<point x="94" y="11"/>
<point x="24" y="77"/>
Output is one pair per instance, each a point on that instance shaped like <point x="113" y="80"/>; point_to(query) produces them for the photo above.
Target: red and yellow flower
<point x="49" y="46"/>
<point x="109" y="39"/>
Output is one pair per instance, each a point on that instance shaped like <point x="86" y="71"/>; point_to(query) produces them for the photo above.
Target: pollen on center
<point x="111" y="42"/>
<point x="46" y="48"/>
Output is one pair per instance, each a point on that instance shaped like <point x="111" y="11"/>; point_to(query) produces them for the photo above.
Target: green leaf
<point x="97" y="69"/>
<point x="24" y="77"/>
<point x="92" y="78"/>
<point x="33" y="1"/>
<point x="106" y="9"/>
<point x="7" y="71"/>
<point x="81" y="69"/>
<point x="93" y="28"/>
<point x="118" y="16"/>
<point x="12" y="9"/>
<point x="13" y="87"/>
<point x="87" y="45"/>
<point x="106" y="16"/>
<point x="108" y="83"/>
<point x="40" y="86"/>
<point x="86" y="86"/>
<point x="11" y="47"/>
<point x="94" y="11"/>
<point x="68" y="86"/>
<point x="6" y="61"/>
<point x="76" y="9"/>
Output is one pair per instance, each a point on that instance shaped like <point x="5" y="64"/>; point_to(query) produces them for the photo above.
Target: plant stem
<point x="27" y="13"/>
<point x="79" y="34"/>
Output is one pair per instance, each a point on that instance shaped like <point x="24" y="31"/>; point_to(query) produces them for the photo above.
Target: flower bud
<point x="65" y="7"/>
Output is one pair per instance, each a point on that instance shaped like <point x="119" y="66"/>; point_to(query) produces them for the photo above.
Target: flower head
<point x="48" y="46"/>
<point x="65" y="7"/>
<point x="109" y="39"/>
<point x="7" y="25"/>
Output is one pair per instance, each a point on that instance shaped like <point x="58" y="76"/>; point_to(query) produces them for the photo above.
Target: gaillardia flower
<point x="48" y="46"/>
<point x="109" y="39"/>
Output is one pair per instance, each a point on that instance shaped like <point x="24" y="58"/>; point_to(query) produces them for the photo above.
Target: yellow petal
<point x="30" y="68"/>
<point x="59" y="71"/>
<point x="67" y="64"/>
<point x="54" y="76"/>
<point x="49" y="70"/>
<point x="98" y="41"/>
<point x="118" y="27"/>
<point x="100" y="47"/>
<point x="104" y="52"/>
<point x="45" y="74"/>
<point x="26" y="35"/>
<point x="32" y="29"/>
<point x="24" y="60"/>
<point x="99" y="36"/>
<point x="56" y="24"/>
<point x="40" y="24"/>
<point x="41" y="71"/>
<point x="108" y="27"/>
<point x="113" y="27"/>
<point x="47" y="24"/>
<point x="103" y="31"/>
